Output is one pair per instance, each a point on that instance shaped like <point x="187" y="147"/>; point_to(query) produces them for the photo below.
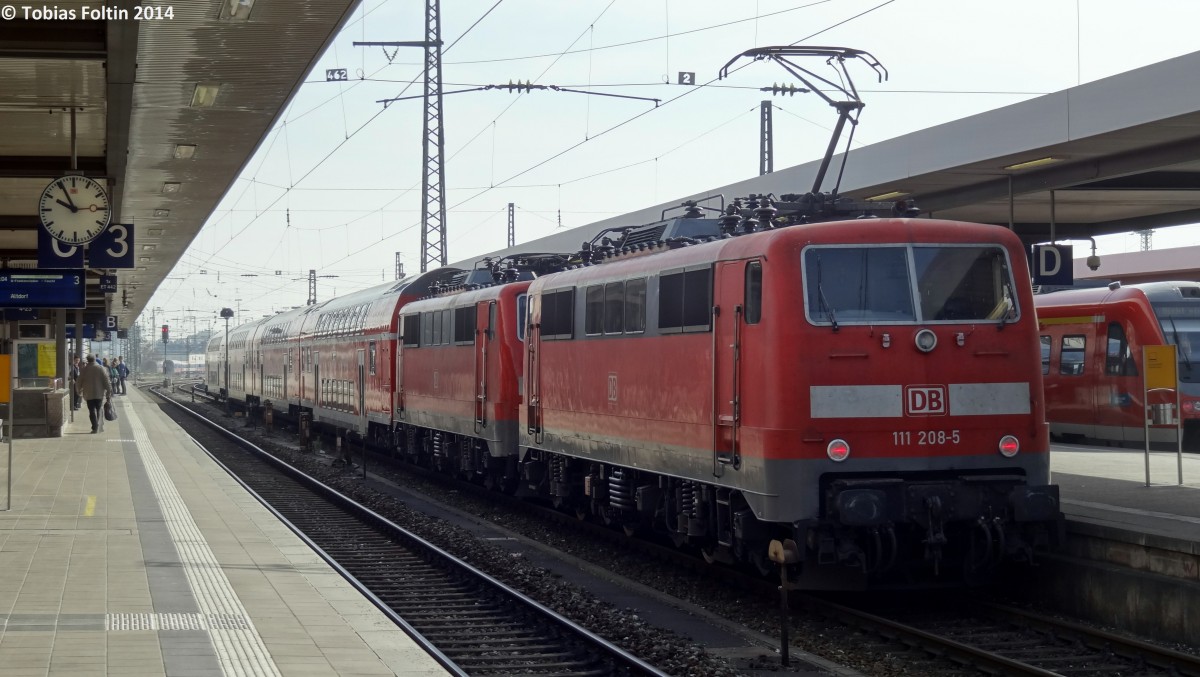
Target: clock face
<point x="74" y="209"/>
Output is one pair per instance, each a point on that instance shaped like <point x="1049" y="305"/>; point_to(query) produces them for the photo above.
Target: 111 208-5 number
<point x="924" y="437"/>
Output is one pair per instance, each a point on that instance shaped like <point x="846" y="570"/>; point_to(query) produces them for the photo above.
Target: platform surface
<point x="1107" y="485"/>
<point x="129" y="552"/>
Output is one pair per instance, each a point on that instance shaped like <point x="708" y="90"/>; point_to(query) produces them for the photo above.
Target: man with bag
<point x="95" y="387"/>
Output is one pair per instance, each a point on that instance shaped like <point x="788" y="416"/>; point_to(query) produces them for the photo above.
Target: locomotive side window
<point x="447" y="326"/>
<point x="1045" y="340"/>
<point x="436" y="321"/>
<point x="858" y="284"/>
<point x="593" y="310"/>
<point x="1119" y="358"/>
<point x="464" y="324"/>
<point x="685" y="300"/>
<point x="522" y="315"/>
<point x="426" y="329"/>
<point x="1071" y="360"/>
<point x="753" y="303"/>
<point x="412" y="330"/>
<point x="614" y="311"/>
<point x="635" y="306"/>
<point x="963" y="283"/>
<point x="558" y="314"/>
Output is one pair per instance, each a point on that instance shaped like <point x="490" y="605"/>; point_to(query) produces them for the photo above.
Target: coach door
<point x="485" y="319"/>
<point x="362" y="382"/>
<point x="318" y="386"/>
<point x="727" y="318"/>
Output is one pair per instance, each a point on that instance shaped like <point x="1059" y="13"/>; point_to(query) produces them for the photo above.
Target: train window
<point x="371" y="352"/>
<point x="614" y="311"/>
<point x="1071" y="359"/>
<point x="1119" y="358"/>
<point x="635" y="306"/>
<point x="1045" y="340"/>
<point x="447" y="326"/>
<point x="670" y="301"/>
<point x="857" y="285"/>
<point x="427" y="329"/>
<point x="522" y="315"/>
<point x="963" y="283"/>
<point x="412" y="330"/>
<point x="464" y="325"/>
<point x="558" y="314"/>
<point x="593" y="310"/>
<point x="753" y="292"/>
<point x="435" y="319"/>
<point x="697" y="299"/>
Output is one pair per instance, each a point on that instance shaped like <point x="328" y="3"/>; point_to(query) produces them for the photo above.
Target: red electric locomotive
<point x="1092" y="342"/>
<point x="866" y="393"/>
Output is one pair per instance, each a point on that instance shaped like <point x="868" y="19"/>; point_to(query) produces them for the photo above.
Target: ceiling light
<point x="236" y="10"/>
<point x="1040" y="162"/>
<point x="170" y="187"/>
<point x="162" y="212"/>
<point x="157" y="232"/>
<point x="887" y="196"/>
<point x="148" y="247"/>
<point x="184" y="152"/>
<point x="205" y="94"/>
<point x="144" y="259"/>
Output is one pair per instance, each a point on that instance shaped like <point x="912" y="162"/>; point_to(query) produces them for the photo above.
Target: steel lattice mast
<point x="433" y="183"/>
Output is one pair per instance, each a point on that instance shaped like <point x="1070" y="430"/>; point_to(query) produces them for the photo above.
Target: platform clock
<point x="74" y="209"/>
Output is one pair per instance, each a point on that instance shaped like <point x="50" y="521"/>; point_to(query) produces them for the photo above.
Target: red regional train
<point x="1092" y="342"/>
<point x="863" y="394"/>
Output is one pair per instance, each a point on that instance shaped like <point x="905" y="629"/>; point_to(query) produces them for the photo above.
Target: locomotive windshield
<point x="877" y="285"/>
<point x="1181" y="326"/>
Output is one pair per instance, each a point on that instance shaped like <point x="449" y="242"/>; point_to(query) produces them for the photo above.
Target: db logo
<point x="925" y="400"/>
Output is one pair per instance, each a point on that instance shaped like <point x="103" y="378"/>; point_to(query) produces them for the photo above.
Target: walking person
<point x="75" y="367"/>
<point x="122" y="373"/>
<point x="95" y="387"/>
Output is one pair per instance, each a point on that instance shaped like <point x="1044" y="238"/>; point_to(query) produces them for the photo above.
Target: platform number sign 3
<point x="114" y="248"/>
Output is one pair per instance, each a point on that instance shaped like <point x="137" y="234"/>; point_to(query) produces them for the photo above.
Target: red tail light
<point x="838" y="450"/>
<point x="1009" y="446"/>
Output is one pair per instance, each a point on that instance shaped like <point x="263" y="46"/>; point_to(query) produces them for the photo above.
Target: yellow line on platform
<point x="90" y="508"/>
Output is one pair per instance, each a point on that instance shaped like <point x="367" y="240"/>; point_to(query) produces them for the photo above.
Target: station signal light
<point x="166" y="329"/>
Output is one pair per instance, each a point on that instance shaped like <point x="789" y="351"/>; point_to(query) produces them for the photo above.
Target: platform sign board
<point x="1052" y="264"/>
<point x="42" y="288"/>
<point x="89" y="331"/>
<point x="54" y="254"/>
<point x="1161" y="368"/>
<point x="108" y="284"/>
<point x="113" y="248"/>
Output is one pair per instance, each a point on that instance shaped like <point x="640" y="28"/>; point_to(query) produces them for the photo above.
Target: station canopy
<point x="167" y="110"/>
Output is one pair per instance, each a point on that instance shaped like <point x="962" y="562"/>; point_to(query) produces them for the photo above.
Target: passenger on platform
<point x="75" y="367"/>
<point x="114" y="376"/>
<point x="122" y="374"/>
<point x="95" y="387"/>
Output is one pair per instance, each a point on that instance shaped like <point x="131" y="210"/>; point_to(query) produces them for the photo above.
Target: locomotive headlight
<point x="838" y="450"/>
<point x="926" y="340"/>
<point x="1009" y="446"/>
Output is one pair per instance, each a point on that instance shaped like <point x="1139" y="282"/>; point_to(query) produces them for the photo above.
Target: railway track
<point x="473" y="623"/>
<point x="969" y="636"/>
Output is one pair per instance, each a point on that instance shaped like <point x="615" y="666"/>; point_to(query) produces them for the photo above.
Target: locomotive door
<point x="533" y="370"/>
<point x="727" y="311"/>
<point x="485" y="315"/>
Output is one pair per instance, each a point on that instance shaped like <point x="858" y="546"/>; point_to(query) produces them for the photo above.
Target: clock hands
<point x="70" y="206"/>
<point x="73" y="208"/>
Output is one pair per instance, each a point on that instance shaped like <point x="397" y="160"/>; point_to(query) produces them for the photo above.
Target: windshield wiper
<point x="1182" y="351"/>
<point x="825" y="303"/>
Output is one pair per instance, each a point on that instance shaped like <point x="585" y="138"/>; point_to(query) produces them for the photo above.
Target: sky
<point x="336" y="186"/>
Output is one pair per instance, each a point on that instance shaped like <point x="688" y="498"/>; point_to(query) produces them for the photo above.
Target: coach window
<point x="447" y="326"/>
<point x="753" y="292"/>
<point x="522" y="315"/>
<point x="1071" y="359"/>
<point x="614" y="312"/>
<point x="635" y="306"/>
<point x="1045" y="340"/>
<point x="435" y="319"/>
<point x="1119" y="359"/>
<point x="427" y="329"/>
<point x="371" y="351"/>
<point x="593" y="310"/>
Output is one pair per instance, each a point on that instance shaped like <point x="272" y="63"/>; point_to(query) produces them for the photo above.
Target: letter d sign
<point x="1052" y="264"/>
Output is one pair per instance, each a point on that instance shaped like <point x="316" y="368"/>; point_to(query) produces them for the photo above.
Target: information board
<point x="1160" y="367"/>
<point x="42" y="288"/>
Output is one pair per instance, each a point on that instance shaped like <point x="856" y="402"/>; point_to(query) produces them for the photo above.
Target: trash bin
<point x="1162" y="414"/>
